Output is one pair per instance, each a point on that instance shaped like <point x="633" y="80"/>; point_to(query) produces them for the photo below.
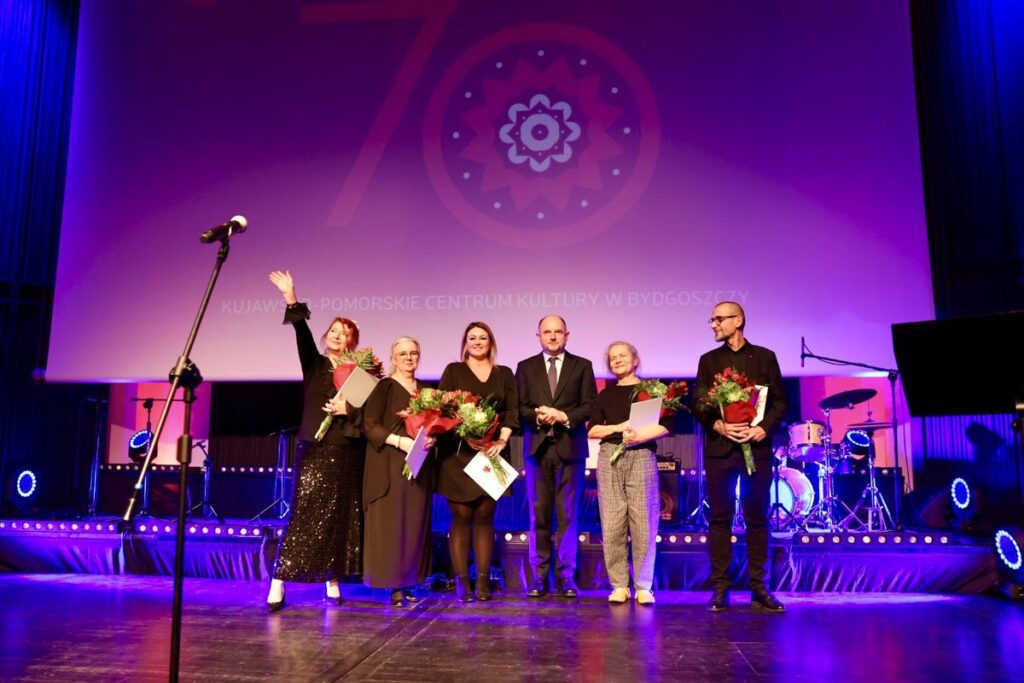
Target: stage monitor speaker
<point x="668" y="489"/>
<point x="929" y="354"/>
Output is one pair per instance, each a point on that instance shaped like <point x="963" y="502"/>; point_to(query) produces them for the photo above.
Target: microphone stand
<point x="184" y="375"/>
<point x="893" y="375"/>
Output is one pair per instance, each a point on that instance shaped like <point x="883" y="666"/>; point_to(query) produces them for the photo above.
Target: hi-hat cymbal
<point x="870" y="425"/>
<point x="846" y="399"/>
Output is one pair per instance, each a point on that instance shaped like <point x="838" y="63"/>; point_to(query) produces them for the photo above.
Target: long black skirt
<point x="324" y="537"/>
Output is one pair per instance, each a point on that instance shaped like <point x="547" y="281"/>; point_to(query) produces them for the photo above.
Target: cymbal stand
<point x="698" y="517"/>
<point x="209" y="512"/>
<point x="828" y="514"/>
<point x="879" y="517"/>
<point x="780" y="517"/>
<point x="280" y="478"/>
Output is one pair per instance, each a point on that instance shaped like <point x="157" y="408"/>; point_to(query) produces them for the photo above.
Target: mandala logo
<point x="541" y="135"/>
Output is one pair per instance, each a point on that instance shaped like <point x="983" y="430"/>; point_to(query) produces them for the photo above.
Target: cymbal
<point x="846" y="399"/>
<point x="870" y="425"/>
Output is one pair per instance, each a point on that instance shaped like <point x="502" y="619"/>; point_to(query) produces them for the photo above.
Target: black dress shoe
<point x="483" y="588"/>
<point x="567" y="588"/>
<point x="538" y="589"/>
<point x="464" y="589"/>
<point x="411" y="595"/>
<point x="763" y="601"/>
<point x="397" y="598"/>
<point x="719" y="601"/>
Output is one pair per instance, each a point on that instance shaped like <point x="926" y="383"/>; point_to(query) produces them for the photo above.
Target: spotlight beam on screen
<point x="436" y="14"/>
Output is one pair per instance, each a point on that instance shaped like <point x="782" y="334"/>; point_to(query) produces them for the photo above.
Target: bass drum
<point x="796" y="496"/>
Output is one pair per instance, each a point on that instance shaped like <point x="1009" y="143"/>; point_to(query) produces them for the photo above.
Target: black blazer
<point x="574" y="395"/>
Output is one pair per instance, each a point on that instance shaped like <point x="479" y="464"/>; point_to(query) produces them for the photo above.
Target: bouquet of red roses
<point x="364" y="359"/>
<point x="435" y="411"/>
<point x="735" y="395"/>
<point x="646" y="389"/>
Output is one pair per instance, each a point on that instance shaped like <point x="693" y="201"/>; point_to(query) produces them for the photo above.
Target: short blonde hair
<point x="632" y="350"/>
<point x="396" y="343"/>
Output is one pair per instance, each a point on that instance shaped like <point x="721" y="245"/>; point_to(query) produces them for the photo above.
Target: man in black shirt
<point x="723" y="456"/>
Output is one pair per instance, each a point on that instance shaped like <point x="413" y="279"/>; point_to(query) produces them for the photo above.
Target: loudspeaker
<point x="668" y="489"/>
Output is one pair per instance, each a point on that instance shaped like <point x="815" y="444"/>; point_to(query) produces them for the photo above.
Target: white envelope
<point x="645" y="413"/>
<point x="358" y="386"/>
<point x="417" y="455"/>
<point x="762" y="401"/>
<point x="479" y="470"/>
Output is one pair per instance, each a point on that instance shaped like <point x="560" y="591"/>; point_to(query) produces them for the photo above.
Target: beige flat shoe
<point x="619" y="595"/>
<point x="644" y="597"/>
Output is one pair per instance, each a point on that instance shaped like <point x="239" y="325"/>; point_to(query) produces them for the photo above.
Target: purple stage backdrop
<point x="418" y="165"/>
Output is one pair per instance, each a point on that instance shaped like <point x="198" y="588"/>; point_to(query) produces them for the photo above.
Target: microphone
<point x="224" y="231"/>
<point x="803" y="355"/>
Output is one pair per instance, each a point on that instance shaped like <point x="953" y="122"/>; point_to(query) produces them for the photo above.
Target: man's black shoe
<point x="567" y="587"/>
<point x="538" y="589"/>
<point x="719" y="601"/>
<point x="764" y="601"/>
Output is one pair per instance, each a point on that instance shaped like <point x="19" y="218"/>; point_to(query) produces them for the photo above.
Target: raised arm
<point x="297" y="314"/>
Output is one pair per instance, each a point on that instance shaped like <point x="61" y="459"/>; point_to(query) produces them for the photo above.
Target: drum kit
<point x="811" y="443"/>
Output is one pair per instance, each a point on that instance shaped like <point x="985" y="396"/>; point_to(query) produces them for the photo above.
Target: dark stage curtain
<point x="969" y="71"/>
<point x="44" y="428"/>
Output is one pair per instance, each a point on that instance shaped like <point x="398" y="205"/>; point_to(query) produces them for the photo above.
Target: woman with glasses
<point x="397" y="552"/>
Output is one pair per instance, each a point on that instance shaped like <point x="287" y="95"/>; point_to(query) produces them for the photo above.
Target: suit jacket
<point x="574" y="395"/>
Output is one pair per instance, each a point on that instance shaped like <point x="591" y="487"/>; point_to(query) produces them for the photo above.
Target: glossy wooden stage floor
<point x="116" y="628"/>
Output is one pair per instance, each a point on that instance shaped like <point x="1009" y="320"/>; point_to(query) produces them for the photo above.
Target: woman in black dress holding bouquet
<point x="397" y="554"/>
<point x="324" y="537"/>
<point x="472" y="508"/>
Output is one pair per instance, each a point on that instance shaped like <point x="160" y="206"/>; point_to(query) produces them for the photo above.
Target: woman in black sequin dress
<point x="324" y="537"/>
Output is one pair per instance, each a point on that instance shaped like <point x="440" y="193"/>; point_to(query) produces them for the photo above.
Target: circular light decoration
<point x="859" y="441"/>
<point x="138" y="445"/>
<point x="1008" y="549"/>
<point x="25" y="483"/>
<point x="960" y="493"/>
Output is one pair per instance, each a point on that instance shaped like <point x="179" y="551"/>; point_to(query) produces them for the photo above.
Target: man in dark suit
<point x="556" y="393"/>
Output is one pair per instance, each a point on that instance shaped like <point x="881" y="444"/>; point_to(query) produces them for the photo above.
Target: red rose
<point x="643" y="396"/>
<point x="740" y="411"/>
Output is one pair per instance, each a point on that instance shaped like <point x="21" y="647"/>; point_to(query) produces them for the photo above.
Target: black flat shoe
<point x="397" y="598"/>
<point x="719" y="601"/>
<point x="764" y="602"/>
<point x="275" y="606"/>
<point x="568" y="589"/>
<point x="538" y="589"/>
<point x="411" y="595"/>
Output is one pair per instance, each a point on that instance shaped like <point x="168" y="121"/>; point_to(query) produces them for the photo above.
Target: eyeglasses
<point x="719" y="319"/>
<point x="408" y="354"/>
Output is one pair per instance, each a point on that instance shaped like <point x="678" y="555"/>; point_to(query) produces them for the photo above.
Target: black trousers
<point x="755" y="491"/>
<point x="553" y="484"/>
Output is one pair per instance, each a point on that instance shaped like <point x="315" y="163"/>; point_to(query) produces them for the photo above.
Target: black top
<point x="318" y="384"/>
<point x="381" y="420"/>
<point x="612" y="407"/>
<point x="761" y="366"/>
<point x="453" y="455"/>
<point x="500" y="386"/>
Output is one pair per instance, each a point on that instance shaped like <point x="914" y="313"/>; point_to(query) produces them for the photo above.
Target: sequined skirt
<point x="324" y="537"/>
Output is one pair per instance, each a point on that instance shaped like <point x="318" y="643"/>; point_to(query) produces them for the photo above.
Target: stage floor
<point x="117" y="628"/>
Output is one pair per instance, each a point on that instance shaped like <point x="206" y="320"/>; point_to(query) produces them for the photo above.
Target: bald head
<point x="552" y="333"/>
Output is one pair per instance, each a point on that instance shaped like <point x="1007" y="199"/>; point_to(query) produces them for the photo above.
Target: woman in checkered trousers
<point x="627" y="490"/>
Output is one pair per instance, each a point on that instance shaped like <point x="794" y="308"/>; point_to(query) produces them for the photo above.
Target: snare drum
<point x="805" y="441"/>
